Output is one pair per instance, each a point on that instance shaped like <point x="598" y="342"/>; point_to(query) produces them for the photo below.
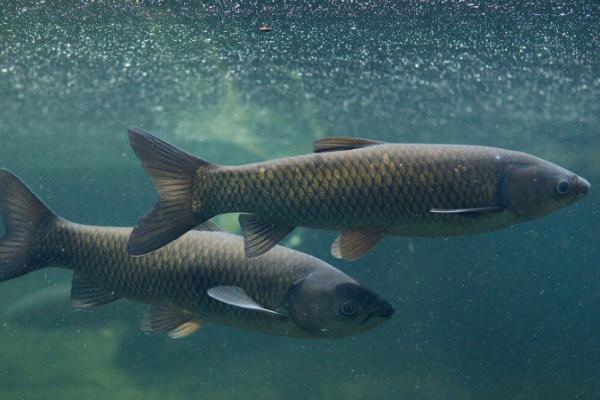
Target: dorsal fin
<point x="340" y="143"/>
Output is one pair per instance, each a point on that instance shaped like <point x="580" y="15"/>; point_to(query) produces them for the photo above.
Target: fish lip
<point x="385" y="310"/>
<point x="584" y="185"/>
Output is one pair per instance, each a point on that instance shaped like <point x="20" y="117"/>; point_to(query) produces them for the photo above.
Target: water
<point x="511" y="314"/>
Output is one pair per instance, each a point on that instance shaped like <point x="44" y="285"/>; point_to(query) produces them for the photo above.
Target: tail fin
<point x="172" y="171"/>
<point x="23" y="214"/>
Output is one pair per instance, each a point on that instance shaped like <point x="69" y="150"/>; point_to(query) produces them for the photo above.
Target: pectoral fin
<point x="236" y="296"/>
<point x="86" y="293"/>
<point x="350" y="245"/>
<point x="164" y="318"/>
<point x="476" y="210"/>
<point x="341" y="143"/>
<point x="260" y="235"/>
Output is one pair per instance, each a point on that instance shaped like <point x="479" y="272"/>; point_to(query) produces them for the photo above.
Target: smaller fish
<point x="203" y="277"/>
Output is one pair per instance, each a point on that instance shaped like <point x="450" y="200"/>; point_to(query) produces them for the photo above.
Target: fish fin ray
<point x="341" y="143"/>
<point x="260" y="234"/>
<point x="165" y="318"/>
<point x="23" y="214"/>
<point x="185" y="329"/>
<point x="475" y="210"/>
<point x="172" y="172"/>
<point x="350" y="245"/>
<point x="209" y="226"/>
<point x="85" y="293"/>
<point x="236" y="296"/>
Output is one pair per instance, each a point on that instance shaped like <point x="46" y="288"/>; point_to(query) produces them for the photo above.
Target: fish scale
<point x="380" y="185"/>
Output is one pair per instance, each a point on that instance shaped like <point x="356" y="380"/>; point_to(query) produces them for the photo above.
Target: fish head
<point x="330" y="305"/>
<point x="536" y="187"/>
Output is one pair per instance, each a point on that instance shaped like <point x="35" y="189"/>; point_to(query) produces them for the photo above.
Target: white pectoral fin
<point x="236" y="296"/>
<point x="475" y="210"/>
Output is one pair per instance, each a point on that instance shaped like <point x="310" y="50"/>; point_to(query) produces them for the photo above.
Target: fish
<point x="365" y="189"/>
<point x="204" y="277"/>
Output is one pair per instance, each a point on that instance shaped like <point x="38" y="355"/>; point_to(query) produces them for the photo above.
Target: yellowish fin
<point x="350" y="245"/>
<point x="164" y="318"/>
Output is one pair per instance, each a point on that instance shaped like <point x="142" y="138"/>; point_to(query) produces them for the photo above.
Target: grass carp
<point x="366" y="189"/>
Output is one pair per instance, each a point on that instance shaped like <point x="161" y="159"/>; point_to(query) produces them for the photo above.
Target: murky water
<point x="511" y="314"/>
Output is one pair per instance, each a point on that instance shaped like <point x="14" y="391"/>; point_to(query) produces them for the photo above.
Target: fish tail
<point x="173" y="172"/>
<point x="24" y="216"/>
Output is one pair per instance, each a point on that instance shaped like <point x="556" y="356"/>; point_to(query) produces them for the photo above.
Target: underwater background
<point x="513" y="314"/>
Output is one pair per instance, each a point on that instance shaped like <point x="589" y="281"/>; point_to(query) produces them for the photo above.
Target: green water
<point x="513" y="314"/>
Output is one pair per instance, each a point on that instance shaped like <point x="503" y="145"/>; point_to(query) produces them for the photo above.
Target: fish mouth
<point x="583" y="185"/>
<point x="385" y="310"/>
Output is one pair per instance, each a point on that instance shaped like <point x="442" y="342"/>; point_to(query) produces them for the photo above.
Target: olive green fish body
<point x="391" y="186"/>
<point x="363" y="188"/>
<point x="180" y="274"/>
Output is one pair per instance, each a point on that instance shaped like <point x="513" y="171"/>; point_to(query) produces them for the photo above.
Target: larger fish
<point x="364" y="188"/>
<point x="203" y="277"/>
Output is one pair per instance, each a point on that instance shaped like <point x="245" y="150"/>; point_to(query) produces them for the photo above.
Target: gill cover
<point x="518" y="188"/>
<point x="299" y="307"/>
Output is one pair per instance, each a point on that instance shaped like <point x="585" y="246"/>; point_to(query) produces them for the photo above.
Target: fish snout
<point x="583" y="186"/>
<point x="385" y="310"/>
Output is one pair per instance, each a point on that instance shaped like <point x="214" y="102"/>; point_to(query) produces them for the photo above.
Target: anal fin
<point x="185" y="329"/>
<point x="350" y="245"/>
<point x="85" y="293"/>
<point x="260" y="235"/>
<point x="164" y="318"/>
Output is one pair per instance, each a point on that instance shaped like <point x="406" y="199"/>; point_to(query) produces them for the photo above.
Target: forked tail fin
<point x="172" y="171"/>
<point x="24" y="216"/>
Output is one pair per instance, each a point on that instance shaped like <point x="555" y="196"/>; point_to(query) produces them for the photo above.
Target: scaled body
<point x="365" y="189"/>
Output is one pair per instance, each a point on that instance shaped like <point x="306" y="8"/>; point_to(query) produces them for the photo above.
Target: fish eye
<point x="348" y="309"/>
<point x="562" y="187"/>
